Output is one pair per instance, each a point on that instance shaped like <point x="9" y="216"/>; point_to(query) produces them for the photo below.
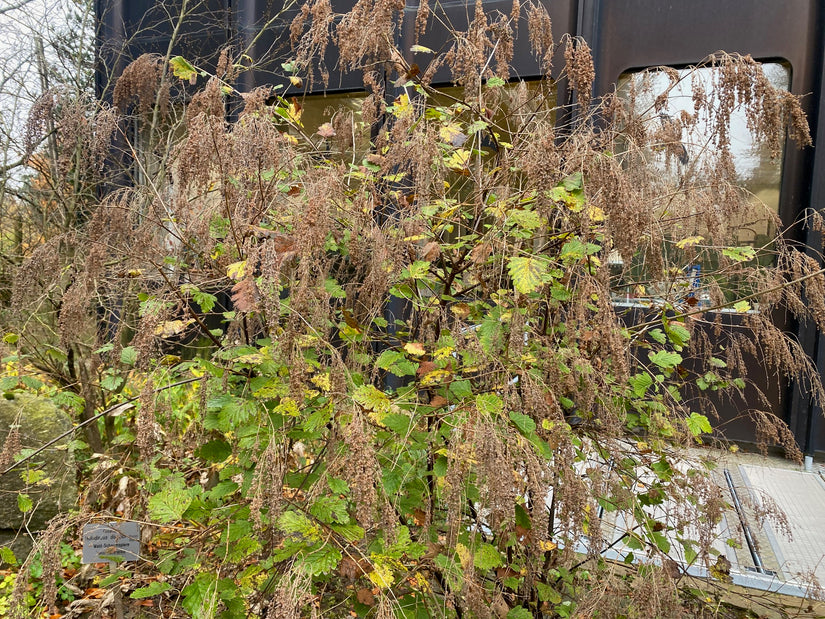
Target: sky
<point x="21" y="22"/>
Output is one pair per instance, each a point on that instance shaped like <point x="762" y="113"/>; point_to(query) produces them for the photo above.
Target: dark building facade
<point x="624" y="35"/>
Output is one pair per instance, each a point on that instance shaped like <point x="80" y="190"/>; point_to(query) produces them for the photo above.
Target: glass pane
<point x="756" y="170"/>
<point x="682" y="150"/>
<point x="340" y="112"/>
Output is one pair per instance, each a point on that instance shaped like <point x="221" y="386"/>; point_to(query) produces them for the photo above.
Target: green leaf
<point x="547" y="593"/>
<point x="112" y="382"/>
<point x="739" y="254"/>
<point x="527" y="273"/>
<point x="698" y="424"/>
<point x="241" y="548"/>
<point x="321" y="561"/>
<point x="182" y="69"/>
<point x="113" y="578"/>
<point x="291" y="522"/>
<point x="658" y="335"/>
<point x="396" y="362"/>
<point x="400" y="424"/>
<point x="154" y="588"/>
<point x="661" y="541"/>
<point x="489" y="403"/>
<point x="200" y="597"/>
<point x="216" y="450"/>
<point x="487" y="557"/>
<point x="350" y="532"/>
<point x="334" y="289"/>
<point x="24" y="503"/>
<point x="575" y="249"/>
<point x="665" y="360"/>
<point x="690" y="552"/>
<point x="31" y="382"/>
<point x="440" y="466"/>
<point x="573" y="182"/>
<point x="372" y="398"/>
<point x="678" y="334"/>
<point x="330" y="509"/>
<point x="461" y="389"/>
<point x="128" y="355"/>
<point x="204" y="300"/>
<point x="338" y="486"/>
<point x="640" y="383"/>
<point x="523" y="422"/>
<point x="527" y="220"/>
<point x="169" y="504"/>
<point x="495" y="82"/>
<point x="7" y="556"/>
<point x="519" y="612"/>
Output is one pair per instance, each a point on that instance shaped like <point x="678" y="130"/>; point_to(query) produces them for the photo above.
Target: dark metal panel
<point x="455" y="16"/>
<point x="263" y="33"/>
<point x="806" y="415"/>
<point x="630" y="34"/>
<point x="196" y="30"/>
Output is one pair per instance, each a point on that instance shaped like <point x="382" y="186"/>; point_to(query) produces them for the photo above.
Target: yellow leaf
<point x="182" y="68"/>
<point x="458" y="160"/>
<point x="450" y="132"/>
<point x="296" y="81"/>
<point x="435" y="377"/>
<point x="414" y="348"/>
<point x="691" y="240"/>
<point x="236" y="270"/>
<point x="294" y="111"/>
<point x="547" y="545"/>
<point x="443" y="353"/>
<point x="322" y="381"/>
<point x="172" y="327"/>
<point x="253" y="358"/>
<point x="463" y="555"/>
<point x="382" y="575"/>
<point x="402" y="107"/>
<point x="596" y="213"/>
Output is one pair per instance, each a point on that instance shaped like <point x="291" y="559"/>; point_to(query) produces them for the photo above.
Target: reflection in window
<point x="686" y="141"/>
<point x="756" y="169"/>
<point x="333" y="123"/>
<point x="520" y="104"/>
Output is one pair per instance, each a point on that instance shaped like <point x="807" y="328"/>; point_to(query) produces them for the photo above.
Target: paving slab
<point x="801" y="496"/>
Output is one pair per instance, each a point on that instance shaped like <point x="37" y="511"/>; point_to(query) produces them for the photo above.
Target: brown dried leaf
<point x="326" y="131"/>
<point x="481" y="252"/>
<point x="245" y="295"/>
<point x="430" y="251"/>
<point x="365" y="596"/>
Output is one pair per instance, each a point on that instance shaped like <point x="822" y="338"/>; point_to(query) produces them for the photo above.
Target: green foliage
<point x="422" y="368"/>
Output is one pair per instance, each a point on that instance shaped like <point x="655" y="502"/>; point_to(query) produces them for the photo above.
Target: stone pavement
<point x="797" y="538"/>
<point x="783" y="508"/>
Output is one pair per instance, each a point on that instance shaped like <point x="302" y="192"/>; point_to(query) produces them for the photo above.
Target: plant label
<point x="111" y="541"/>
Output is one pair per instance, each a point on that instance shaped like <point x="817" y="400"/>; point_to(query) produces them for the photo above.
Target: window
<point x="686" y="143"/>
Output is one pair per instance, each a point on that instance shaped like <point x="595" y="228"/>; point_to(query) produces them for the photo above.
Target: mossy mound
<point x="48" y="479"/>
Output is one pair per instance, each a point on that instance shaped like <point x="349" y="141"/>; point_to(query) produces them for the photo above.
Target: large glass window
<point x="757" y="169"/>
<point x="686" y="140"/>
